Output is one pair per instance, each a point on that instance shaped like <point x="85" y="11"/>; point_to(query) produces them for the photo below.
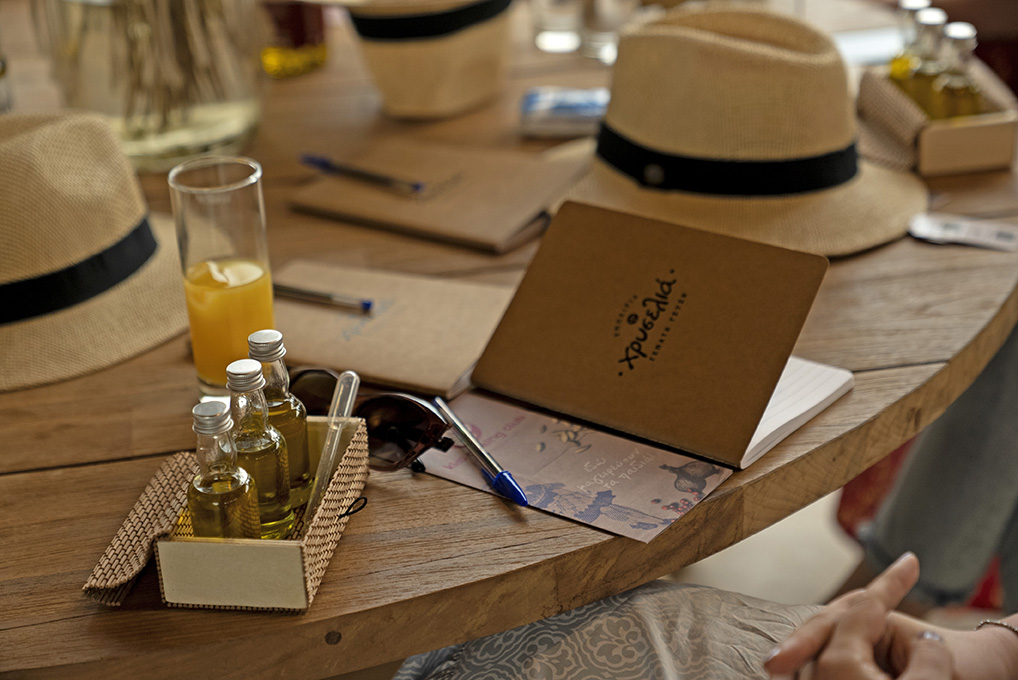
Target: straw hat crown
<point x="741" y="85"/>
<point x="87" y="278"/>
<point x="76" y="205"/>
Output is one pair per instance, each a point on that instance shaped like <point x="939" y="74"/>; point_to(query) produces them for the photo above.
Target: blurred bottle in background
<point x="955" y="93"/>
<point x="297" y="44"/>
<point x="905" y="63"/>
<point x="930" y="30"/>
<point x="996" y="22"/>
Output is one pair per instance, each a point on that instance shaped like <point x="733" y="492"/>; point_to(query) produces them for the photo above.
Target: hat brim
<point x="134" y="316"/>
<point x="871" y="209"/>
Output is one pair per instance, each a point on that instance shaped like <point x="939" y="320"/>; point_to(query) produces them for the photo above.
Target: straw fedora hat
<point x="740" y="121"/>
<point x="87" y="279"/>
<point x="433" y="58"/>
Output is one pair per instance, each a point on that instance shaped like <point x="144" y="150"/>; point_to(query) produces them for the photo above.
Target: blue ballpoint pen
<point x="397" y="184"/>
<point x="500" y="480"/>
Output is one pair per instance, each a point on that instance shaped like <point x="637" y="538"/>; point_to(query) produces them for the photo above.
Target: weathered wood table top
<point x="429" y="563"/>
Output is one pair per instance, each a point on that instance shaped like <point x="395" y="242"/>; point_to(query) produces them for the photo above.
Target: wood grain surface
<point x="429" y="563"/>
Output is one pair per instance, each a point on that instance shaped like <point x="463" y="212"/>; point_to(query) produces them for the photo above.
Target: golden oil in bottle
<point x="224" y="506"/>
<point x="930" y="27"/>
<point x="955" y="92"/>
<point x="264" y="459"/>
<point x="221" y="499"/>
<point x="261" y="449"/>
<point x="286" y="412"/>
<point x="964" y="100"/>
<point x="905" y="63"/>
<point x="298" y="43"/>
<point x="292" y="424"/>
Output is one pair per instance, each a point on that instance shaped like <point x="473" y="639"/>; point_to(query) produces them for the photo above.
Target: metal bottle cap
<point x="913" y="5"/>
<point x="931" y="16"/>
<point x="211" y="417"/>
<point x="266" y="345"/>
<point x="244" y="375"/>
<point x="960" y="30"/>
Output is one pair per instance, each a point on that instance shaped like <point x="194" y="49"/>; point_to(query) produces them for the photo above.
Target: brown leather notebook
<point x="482" y="198"/>
<point x="672" y="334"/>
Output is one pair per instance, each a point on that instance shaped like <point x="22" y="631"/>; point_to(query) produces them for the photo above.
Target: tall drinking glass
<point x="220" y="216"/>
<point x="602" y="20"/>
<point x="557" y="24"/>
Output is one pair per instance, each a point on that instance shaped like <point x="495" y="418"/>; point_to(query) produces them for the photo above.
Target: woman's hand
<point x="860" y="637"/>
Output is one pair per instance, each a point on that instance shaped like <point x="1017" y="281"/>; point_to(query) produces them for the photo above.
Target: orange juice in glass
<point x="227" y="300"/>
<point x="220" y="217"/>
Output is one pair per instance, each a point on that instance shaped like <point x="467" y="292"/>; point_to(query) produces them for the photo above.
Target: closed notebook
<point x="423" y="334"/>
<point x="672" y="334"/>
<point x="487" y="199"/>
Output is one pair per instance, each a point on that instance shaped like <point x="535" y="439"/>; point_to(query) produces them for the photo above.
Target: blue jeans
<point x="955" y="501"/>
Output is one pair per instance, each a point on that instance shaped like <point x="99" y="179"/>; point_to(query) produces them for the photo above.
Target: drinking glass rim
<point x="209" y="161"/>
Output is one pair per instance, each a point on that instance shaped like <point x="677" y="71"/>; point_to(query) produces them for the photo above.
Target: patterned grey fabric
<point x="659" y="631"/>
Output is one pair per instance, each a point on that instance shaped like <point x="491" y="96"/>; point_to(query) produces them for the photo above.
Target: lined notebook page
<point x="805" y="389"/>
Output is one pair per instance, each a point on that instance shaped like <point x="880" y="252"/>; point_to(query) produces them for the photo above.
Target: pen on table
<point x="324" y="297"/>
<point x="403" y="186"/>
<point x="500" y="480"/>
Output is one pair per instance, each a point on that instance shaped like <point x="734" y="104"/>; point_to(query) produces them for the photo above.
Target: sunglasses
<point x="400" y="426"/>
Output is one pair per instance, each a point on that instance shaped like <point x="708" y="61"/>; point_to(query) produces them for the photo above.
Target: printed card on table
<point x="624" y="487"/>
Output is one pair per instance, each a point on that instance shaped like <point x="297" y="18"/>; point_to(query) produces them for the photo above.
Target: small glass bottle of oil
<point x="286" y="412"/>
<point x="221" y="498"/>
<point x="930" y="30"/>
<point x="261" y="449"/>
<point x="955" y="93"/>
<point x="905" y="63"/>
<point x="298" y="43"/>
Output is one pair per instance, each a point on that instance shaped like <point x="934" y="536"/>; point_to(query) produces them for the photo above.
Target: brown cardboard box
<point x="909" y="139"/>
<point x="954" y="146"/>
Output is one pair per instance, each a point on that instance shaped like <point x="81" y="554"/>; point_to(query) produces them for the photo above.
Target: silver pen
<point x="323" y="297"/>
<point x="500" y="480"/>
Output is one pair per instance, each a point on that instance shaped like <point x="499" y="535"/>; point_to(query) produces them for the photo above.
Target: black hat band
<point x="422" y="26"/>
<point x="29" y="298"/>
<point x="672" y="172"/>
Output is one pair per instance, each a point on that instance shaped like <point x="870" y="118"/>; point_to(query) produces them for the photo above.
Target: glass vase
<point x="176" y="78"/>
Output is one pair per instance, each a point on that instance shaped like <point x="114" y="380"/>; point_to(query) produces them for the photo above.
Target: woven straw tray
<point x="281" y="575"/>
<point x="899" y="134"/>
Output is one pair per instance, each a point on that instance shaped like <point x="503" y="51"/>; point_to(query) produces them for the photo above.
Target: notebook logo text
<point x="647" y="321"/>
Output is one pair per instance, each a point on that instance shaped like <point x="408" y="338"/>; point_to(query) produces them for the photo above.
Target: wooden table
<point x="430" y="563"/>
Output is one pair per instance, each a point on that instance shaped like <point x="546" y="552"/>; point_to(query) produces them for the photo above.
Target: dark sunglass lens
<point x="314" y="388"/>
<point x="386" y="455"/>
<point x="396" y="426"/>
